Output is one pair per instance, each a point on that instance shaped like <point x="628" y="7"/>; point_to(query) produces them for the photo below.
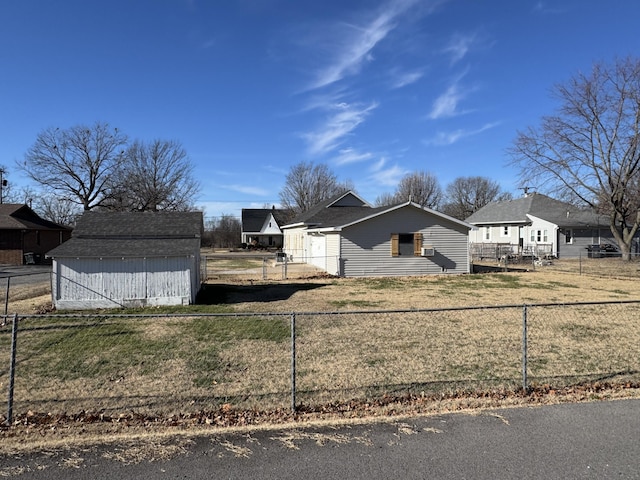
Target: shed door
<point x="318" y="251"/>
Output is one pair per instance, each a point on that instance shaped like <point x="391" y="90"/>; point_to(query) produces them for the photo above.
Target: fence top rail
<point x="309" y="313"/>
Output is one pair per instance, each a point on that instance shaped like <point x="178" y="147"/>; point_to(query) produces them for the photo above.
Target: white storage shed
<point x="128" y="259"/>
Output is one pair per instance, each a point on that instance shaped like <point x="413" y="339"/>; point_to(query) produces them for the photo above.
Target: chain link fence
<point x="181" y="364"/>
<point x="255" y="267"/>
<point x="602" y="264"/>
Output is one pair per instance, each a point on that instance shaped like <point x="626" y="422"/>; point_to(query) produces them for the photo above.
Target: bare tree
<point x="421" y="188"/>
<point x="8" y="194"/>
<point x="466" y="195"/>
<point x="385" y="199"/>
<point x="76" y="163"/>
<point x="228" y="231"/>
<point x="154" y="176"/>
<point x="307" y="184"/>
<point x="59" y="210"/>
<point x="589" y="150"/>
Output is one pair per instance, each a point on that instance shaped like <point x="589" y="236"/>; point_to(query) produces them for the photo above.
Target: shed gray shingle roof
<point x="133" y="234"/>
<point x="515" y="211"/>
<point x="139" y="224"/>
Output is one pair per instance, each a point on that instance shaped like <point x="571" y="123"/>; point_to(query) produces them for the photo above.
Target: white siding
<point x="332" y="265"/>
<point x="317" y="250"/>
<point x="109" y="282"/>
<point x="294" y="244"/>
<point x="366" y="246"/>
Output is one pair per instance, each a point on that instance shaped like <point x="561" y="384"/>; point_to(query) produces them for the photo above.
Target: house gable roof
<point x="20" y="217"/>
<point x="518" y="211"/>
<point x="339" y="209"/>
<point x="343" y="211"/>
<point x="133" y="234"/>
<point x="376" y="212"/>
<point x="253" y="219"/>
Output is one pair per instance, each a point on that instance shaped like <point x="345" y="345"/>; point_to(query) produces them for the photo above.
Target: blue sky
<point x="374" y="89"/>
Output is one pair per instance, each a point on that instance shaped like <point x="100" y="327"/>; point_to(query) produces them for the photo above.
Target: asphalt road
<point x="598" y="440"/>
<point x="24" y="274"/>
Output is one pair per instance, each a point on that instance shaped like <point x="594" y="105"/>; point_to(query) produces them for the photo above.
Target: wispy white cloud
<point x="402" y="79"/>
<point x="449" y="138"/>
<point x="356" y="43"/>
<point x="344" y="118"/>
<point x="350" y="155"/>
<point x="459" y="46"/>
<point x="215" y="210"/>
<point x="545" y="8"/>
<point x="446" y="105"/>
<point x="249" y="190"/>
<point x="386" y="175"/>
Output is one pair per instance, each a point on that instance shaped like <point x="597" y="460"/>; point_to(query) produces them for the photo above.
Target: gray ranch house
<point x="539" y="226"/>
<point x="128" y="259"/>
<point x="261" y="227"/>
<point x="346" y="236"/>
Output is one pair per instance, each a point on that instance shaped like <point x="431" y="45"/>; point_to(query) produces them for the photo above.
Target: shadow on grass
<point x="496" y="269"/>
<point x="216" y="294"/>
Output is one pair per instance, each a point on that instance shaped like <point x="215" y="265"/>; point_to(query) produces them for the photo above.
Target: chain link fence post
<point x="6" y="297"/>
<point x="293" y="363"/>
<point x="12" y="368"/>
<point x="524" y="348"/>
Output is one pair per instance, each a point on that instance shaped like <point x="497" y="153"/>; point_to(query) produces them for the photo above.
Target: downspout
<point x="339" y="259"/>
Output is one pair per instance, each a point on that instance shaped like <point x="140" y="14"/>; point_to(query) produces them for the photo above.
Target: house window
<point x="568" y="236"/>
<point x="487" y="233"/>
<point x="406" y="244"/>
<point x="505" y="231"/>
<point x="539" y="236"/>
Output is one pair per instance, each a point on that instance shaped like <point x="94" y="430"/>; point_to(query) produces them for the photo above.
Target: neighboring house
<point x="536" y="225"/>
<point x="345" y="236"/>
<point x="25" y="237"/>
<point x="261" y="227"/>
<point x="126" y="259"/>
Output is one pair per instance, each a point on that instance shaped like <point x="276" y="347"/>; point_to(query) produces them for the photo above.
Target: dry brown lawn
<point x="564" y="281"/>
<point x="558" y="283"/>
<point x="346" y="356"/>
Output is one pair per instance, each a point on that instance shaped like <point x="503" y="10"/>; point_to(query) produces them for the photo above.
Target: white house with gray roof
<point x="128" y="259"/>
<point x="346" y="236"/>
<point x="537" y="225"/>
<point x="261" y="227"/>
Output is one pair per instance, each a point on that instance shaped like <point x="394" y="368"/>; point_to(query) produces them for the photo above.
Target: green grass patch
<point x="206" y="338"/>
<point x="225" y="329"/>
<point x="103" y="349"/>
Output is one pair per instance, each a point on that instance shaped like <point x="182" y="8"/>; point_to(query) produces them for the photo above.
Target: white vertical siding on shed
<point x="116" y="282"/>
<point x="366" y="246"/>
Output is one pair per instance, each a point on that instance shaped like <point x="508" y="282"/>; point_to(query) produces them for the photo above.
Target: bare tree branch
<point x="76" y="163"/>
<point x="589" y="149"/>
<point x="307" y="184"/>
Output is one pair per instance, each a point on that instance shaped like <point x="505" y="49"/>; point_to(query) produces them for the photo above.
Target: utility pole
<point x="3" y="183"/>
